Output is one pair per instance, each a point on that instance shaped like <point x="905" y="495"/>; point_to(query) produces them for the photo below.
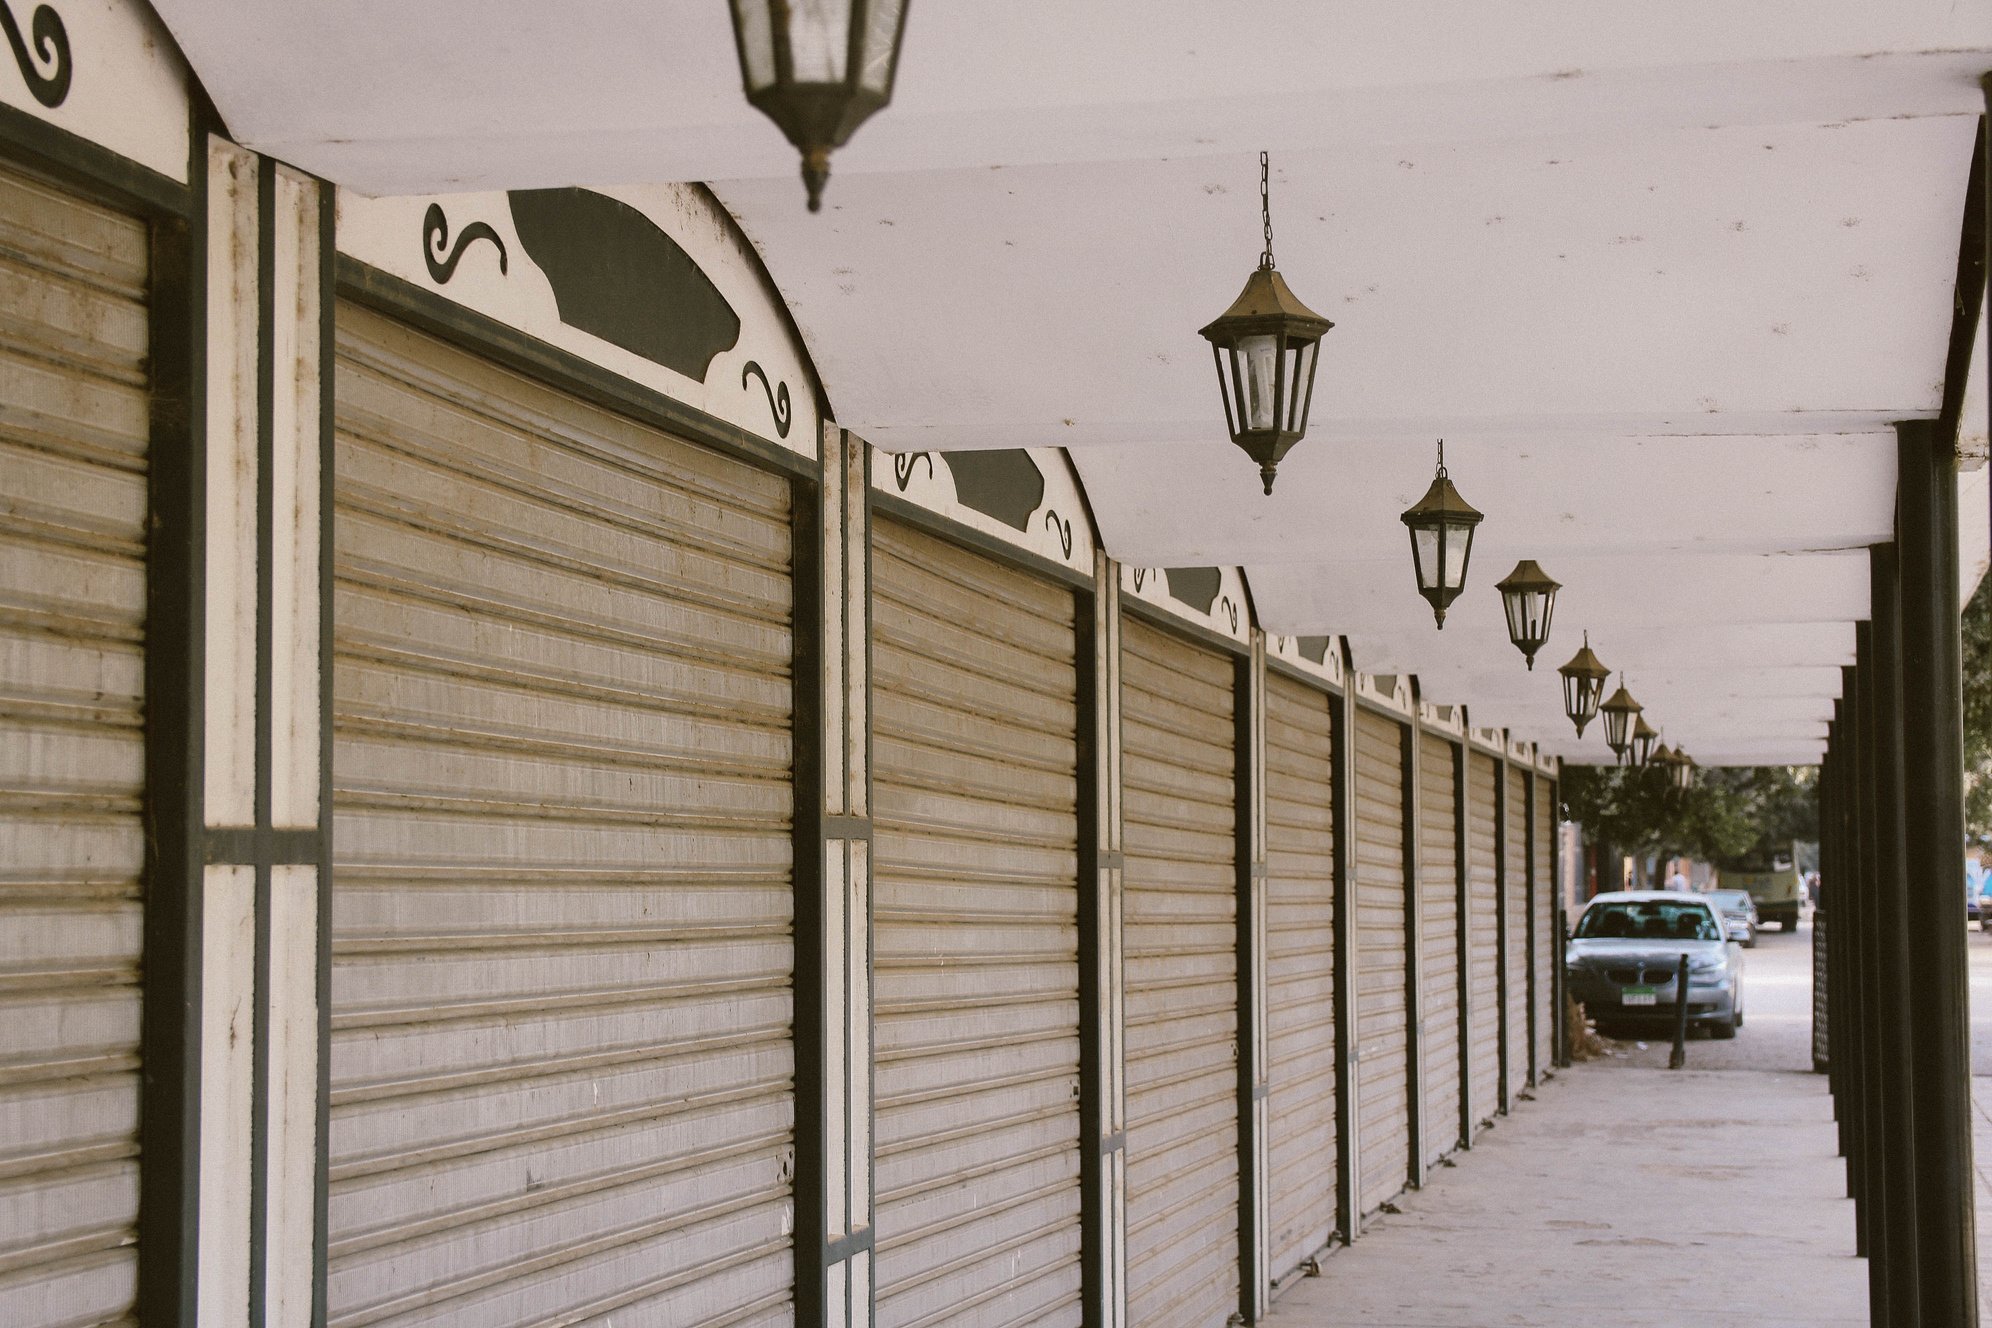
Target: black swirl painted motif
<point x="778" y="400"/>
<point x="902" y="468"/>
<point x="441" y="257"/>
<point x="51" y="48"/>
<point x="1061" y="528"/>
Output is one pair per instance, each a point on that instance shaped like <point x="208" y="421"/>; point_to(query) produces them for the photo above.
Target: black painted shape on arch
<point x="1194" y="586"/>
<point x="1006" y="484"/>
<point x="616" y="275"/>
<point x="1313" y="648"/>
<point x="51" y="46"/>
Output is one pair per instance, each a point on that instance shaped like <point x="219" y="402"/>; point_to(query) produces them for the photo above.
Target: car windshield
<point x="1649" y="919"/>
<point x="1732" y="901"/>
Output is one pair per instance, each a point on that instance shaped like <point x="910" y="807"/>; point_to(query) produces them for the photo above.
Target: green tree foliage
<point x="1978" y="712"/>
<point x="1729" y="814"/>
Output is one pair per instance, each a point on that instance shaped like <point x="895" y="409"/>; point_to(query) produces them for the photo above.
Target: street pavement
<point x="1632" y="1195"/>
<point x="1777" y="1014"/>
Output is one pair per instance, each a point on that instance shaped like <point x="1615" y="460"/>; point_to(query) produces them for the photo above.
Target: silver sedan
<point x="1623" y="961"/>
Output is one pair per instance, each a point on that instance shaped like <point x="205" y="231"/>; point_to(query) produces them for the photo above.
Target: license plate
<point x="1639" y="996"/>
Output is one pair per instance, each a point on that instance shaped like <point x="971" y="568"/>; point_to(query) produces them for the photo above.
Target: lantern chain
<point x="1266" y="209"/>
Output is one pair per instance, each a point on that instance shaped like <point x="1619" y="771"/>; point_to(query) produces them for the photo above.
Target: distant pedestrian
<point x="1677" y="881"/>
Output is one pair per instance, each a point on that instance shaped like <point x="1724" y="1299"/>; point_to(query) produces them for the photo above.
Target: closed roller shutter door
<point x="1518" y="935"/>
<point x="1179" y="939"/>
<point x="1482" y="842"/>
<point x="561" y="991"/>
<point x="1300" y="968"/>
<point x="1545" y="926"/>
<point x="73" y="430"/>
<point x="1822" y="1039"/>
<point x="977" y="941"/>
<point x="1438" y="881"/>
<point x="1382" y="1100"/>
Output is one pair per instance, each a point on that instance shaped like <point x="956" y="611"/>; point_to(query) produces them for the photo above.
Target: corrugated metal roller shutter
<point x="1300" y="968"/>
<point x="73" y="462"/>
<point x="1518" y="933"/>
<point x="1545" y="916"/>
<point x="1179" y="938"/>
<point x="976" y="894"/>
<point x="1438" y="880"/>
<point x="1382" y="1041"/>
<point x="1822" y="1029"/>
<point x="1482" y="840"/>
<point x="562" y="983"/>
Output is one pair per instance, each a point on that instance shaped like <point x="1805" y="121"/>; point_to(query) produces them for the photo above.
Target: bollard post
<point x="1678" y="1060"/>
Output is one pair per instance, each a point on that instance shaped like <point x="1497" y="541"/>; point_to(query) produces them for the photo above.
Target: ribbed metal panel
<point x="1438" y="884"/>
<point x="73" y="464"/>
<point x="1180" y="946"/>
<point x="1382" y="1041"/>
<point x="1545" y="923"/>
<point x="976" y="940"/>
<point x="1481" y="844"/>
<point x="562" y="954"/>
<point x="1822" y="1039"/>
<point x="1300" y="968"/>
<point x="1517" y="958"/>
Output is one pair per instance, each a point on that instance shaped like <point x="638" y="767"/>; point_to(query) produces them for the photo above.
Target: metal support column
<point x="1502" y="884"/>
<point x="833" y="923"/>
<point x="1530" y="939"/>
<point x="1462" y="771"/>
<point x="1874" y="1119"/>
<point x="1852" y="922"/>
<point x="1414" y="947"/>
<point x="1895" y="946"/>
<point x="1255" y="1220"/>
<point x="1933" y="814"/>
<point x="1830" y="903"/>
<point x="1348" y="1166"/>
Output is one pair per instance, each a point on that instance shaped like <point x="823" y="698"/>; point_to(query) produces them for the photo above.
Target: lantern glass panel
<point x="881" y="45"/>
<point x="1300" y="385"/>
<point x="1616" y="724"/>
<point x="819" y="34"/>
<point x="1458" y="546"/>
<point x="1262" y="365"/>
<point x="1425" y="549"/>
<point x="757" y="41"/>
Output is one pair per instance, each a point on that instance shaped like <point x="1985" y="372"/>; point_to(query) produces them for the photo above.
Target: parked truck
<point x="1773" y="883"/>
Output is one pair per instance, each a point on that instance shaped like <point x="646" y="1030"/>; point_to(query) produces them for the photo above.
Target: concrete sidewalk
<point x="1638" y="1198"/>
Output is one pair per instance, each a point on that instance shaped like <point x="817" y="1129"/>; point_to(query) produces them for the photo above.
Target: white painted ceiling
<point x="1662" y="276"/>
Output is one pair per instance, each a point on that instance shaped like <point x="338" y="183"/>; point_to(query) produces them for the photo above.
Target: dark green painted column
<point x="1933" y="807"/>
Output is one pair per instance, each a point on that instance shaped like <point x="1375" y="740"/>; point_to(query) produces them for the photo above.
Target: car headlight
<point x="1705" y="963"/>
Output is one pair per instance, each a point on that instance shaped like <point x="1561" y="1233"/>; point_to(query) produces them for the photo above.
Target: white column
<point x="261" y="968"/>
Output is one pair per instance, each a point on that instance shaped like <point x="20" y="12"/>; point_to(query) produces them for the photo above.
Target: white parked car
<point x="1624" y="957"/>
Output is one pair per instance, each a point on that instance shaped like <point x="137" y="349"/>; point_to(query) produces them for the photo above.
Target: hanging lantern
<point x="1619" y="712"/>
<point x="1583" y="683"/>
<point x="1265" y="346"/>
<point x="1644" y="735"/>
<point x="818" y="69"/>
<point x="1441" y="525"/>
<point x="1529" y="598"/>
<point x="1680" y="770"/>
